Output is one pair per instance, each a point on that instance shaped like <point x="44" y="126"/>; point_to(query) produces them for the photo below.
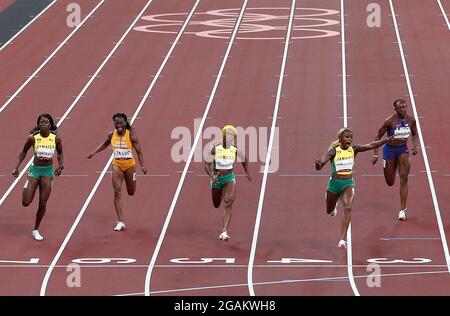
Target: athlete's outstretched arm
<point x="372" y="145"/>
<point x="414" y="137"/>
<point x="244" y="159"/>
<point x="22" y="154"/>
<point x="209" y="163"/>
<point x="102" y="146"/>
<point x="59" y="150"/>
<point x="325" y="158"/>
<point x="383" y="129"/>
<point x="138" y="149"/>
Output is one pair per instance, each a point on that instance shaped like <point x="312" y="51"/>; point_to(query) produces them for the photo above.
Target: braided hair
<point x="53" y="127"/>
<point x="124" y="116"/>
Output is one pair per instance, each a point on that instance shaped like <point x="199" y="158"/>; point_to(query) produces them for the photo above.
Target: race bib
<point x="120" y="153"/>
<point x="401" y="132"/>
<point x="45" y="153"/>
<point x="222" y="165"/>
<point x="344" y="164"/>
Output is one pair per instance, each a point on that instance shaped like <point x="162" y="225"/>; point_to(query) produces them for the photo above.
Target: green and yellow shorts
<point x="222" y="180"/>
<point x="38" y="172"/>
<point x="339" y="185"/>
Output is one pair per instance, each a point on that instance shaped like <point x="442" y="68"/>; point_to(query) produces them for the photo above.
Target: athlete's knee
<point x="404" y="179"/>
<point x="131" y="192"/>
<point x="117" y="193"/>
<point x="228" y="202"/>
<point x="347" y="210"/>
<point x="42" y="205"/>
<point x="26" y="203"/>
<point x="216" y="204"/>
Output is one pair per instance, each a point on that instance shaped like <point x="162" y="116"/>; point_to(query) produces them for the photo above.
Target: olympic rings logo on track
<point x="257" y="24"/>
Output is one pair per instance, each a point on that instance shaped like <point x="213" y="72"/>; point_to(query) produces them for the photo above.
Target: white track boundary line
<point x="444" y="13"/>
<point x="99" y="180"/>
<point x="284" y="282"/>
<point x="422" y="143"/>
<point x="191" y="153"/>
<point x="26" y="26"/>
<point x="269" y="153"/>
<point x="49" y="57"/>
<point x="345" y="117"/>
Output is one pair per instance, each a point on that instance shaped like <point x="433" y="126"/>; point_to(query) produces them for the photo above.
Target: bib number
<point x="122" y="153"/>
<point x="45" y="153"/>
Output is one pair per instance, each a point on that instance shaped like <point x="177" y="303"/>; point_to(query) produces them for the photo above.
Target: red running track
<point x="26" y="53"/>
<point x="373" y="89"/>
<point x="293" y="222"/>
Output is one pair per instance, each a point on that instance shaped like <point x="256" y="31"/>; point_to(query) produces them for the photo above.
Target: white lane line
<point x="191" y="154"/>
<point x="344" y="278"/>
<point x="344" y="105"/>
<point x="94" y="189"/>
<point x="26" y="26"/>
<point x="422" y="143"/>
<point x="205" y="266"/>
<point x="303" y="175"/>
<point x="269" y="153"/>
<point x="49" y="57"/>
<point x="444" y="14"/>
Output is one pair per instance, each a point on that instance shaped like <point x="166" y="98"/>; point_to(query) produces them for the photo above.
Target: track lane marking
<point x="269" y="151"/>
<point x="191" y="153"/>
<point x="11" y="98"/>
<point x="94" y="189"/>
<point x="422" y="143"/>
<point x="343" y="278"/>
<point x="444" y="14"/>
<point x="26" y="26"/>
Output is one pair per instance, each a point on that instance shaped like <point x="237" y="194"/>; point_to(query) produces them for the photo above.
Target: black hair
<point x="124" y="116"/>
<point x="53" y="127"/>
<point x="398" y="102"/>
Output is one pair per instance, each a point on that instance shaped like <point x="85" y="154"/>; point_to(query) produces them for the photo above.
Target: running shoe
<point x="224" y="236"/>
<point x="36" y="235"/>
<point x="342" y="244"/>
<point x="402" y="215"/>
<point x="119" y="226"/>
<point x="334" y="213"/>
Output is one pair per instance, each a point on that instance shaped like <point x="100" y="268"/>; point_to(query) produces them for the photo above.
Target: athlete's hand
<point x="414" y="151"/>
<point x="144" y="170"/>
<point x="318" y="165"/>
<point x="374" y="159"/>
<point x="15" y="172"/>
<point x="58" y="171"/>
<point x="215" y="178"/>
<point x="90" y="155"/>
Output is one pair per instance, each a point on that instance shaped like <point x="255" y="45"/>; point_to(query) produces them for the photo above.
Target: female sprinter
<point x="123" y="139"/>
<point x="219" y="166"/>
<point x="341" y="184"/>
<point x="395" y="153"/>
<point x="44" y="140"/>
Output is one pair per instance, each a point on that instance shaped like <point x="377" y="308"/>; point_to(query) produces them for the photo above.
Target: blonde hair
<point x="339" y="136"/>
<point x="226" y="127"/>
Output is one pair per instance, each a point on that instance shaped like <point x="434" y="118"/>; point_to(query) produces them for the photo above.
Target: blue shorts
<point x="392" y="152"/>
